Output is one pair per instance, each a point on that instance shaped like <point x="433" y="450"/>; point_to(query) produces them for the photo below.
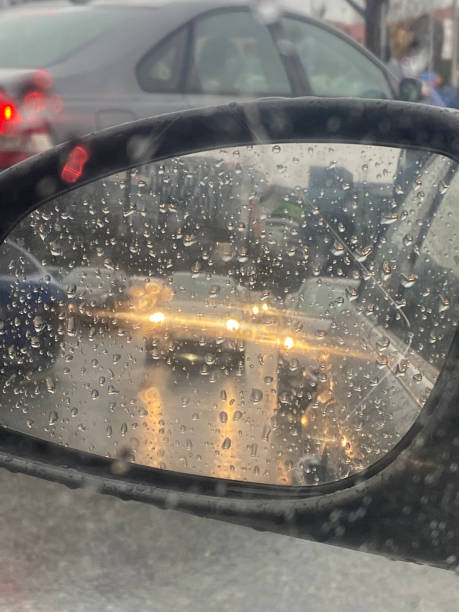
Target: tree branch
<point x="359" y="9"/>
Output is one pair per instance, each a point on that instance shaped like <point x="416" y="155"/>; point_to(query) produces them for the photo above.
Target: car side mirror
<point x="410" y="90"/>
<point x="254" y="318"/>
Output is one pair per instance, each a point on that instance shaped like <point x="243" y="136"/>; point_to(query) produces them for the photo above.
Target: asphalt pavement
<point x="79" y="551"/>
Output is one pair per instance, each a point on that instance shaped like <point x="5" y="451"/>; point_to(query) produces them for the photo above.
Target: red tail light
<point x="24" y="121"/>
<point x="9" y="115"/>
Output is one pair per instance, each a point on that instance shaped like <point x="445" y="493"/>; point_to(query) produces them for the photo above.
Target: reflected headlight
<point x="289" y="343"/>
<point x="232" y="325"/>
<point x="157" y="317"/>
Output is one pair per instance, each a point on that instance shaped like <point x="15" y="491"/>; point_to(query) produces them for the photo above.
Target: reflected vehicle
<point x="30" y="335"/>
<point x="78" y="67"/>
<point x="196" y="322"/>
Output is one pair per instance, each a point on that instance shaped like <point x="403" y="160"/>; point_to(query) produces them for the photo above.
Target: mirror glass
<point x="275" y="314"/>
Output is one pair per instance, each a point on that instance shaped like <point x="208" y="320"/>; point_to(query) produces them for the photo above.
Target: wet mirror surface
<point x="276" y="314"/>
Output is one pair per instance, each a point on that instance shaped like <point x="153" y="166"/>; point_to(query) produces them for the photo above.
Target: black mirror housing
<point x="389" y="508"/>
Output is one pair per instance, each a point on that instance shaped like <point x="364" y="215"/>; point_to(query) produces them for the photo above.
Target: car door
<point x="333" y="66"/>
<point x="233" y="54"/>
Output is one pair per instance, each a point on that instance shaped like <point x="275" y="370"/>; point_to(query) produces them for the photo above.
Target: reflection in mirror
<point x="275" y="314"/>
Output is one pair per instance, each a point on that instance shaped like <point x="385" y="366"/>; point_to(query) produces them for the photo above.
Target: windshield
<point x="39" y="38"/>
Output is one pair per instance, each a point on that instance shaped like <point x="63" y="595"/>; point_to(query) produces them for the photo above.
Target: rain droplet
<point x="389" y="219"/>
<point x="52" y="418"/>
<point x="444" y="304"/>
<point x="387" y="270"/>
<point x="362" y="254"/>
<point x="408" y="240"/>
<point x="237" y="416"/>
<point x="226" y="444"/>
<point x="352" y="294"/>
<point x="383" y="344"/>
<point x="71" y="290"/>
<point x="408" y="281"/>
<point x="124" y="429"/>
<point x="443" y="188"/>
<point x="39" y="324"/>
<point x="50" y="385"/>
<point x="276" y="148"/>
<point x="256" y="396"/>
<point x="223" y="417"/>
<point x="338" y="248"/>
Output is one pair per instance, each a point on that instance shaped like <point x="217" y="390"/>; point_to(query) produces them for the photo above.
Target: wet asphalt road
<point x="66" y="550"/>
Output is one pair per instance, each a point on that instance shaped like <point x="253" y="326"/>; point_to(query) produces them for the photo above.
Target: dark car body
<point x="31" y="336"/>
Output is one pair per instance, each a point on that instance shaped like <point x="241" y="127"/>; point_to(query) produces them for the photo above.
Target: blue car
<point x="32" y="310"/>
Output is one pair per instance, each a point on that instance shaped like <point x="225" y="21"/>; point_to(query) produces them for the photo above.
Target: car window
<point x="48" y="36"/>
<point x="161" y="70"/>
<point x="234" y="53"/>
<point x="333" y="66"/>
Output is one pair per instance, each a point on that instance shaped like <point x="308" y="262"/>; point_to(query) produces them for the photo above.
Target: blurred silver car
<point x="67" y="69"/>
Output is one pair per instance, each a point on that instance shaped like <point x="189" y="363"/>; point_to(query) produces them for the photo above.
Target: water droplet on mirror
<point x="443" y="188"/>
<point x="276" y="148"/>
<point x="39" y="324"/>
<point x="383" y="344"/>
<point x="226" y="444"/>
<point x="362" y="254"/>
<point x="352" y="294"/>
<point x="382" y="361"/>
<point x="444" y="304"/>
<point x="408" y="240"/>
<point x="387" y="270"/>
<point x="338" y="248"/>
<point x="256" y="396"/>
<point x="35" y="342"/>
<point x="223" y="417"/>
<point x="389" y="219"/>
<point x="71" y="290"/>
<point x="50" y="385"/>
<point x="52" y="418"/>
<point x="409" y="281"/>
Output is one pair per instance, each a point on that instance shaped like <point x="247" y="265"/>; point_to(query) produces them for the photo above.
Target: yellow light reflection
<point x="157" y="317"/>
<point x="232" y="325"/>
<point x="289" y="343"/>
